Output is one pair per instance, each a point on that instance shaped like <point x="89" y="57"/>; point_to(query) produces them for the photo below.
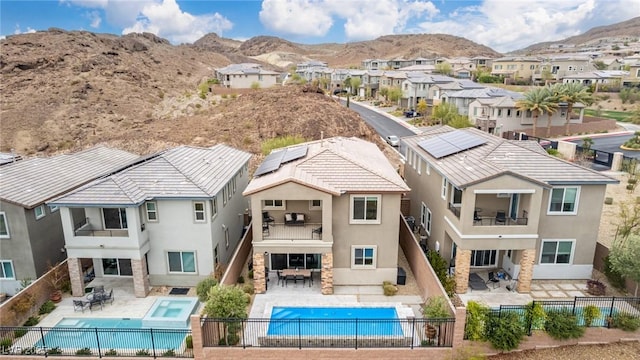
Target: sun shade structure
<point x="450" y="143"/>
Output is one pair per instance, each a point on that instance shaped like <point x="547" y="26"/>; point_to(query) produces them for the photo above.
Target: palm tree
<point x="572" y="93"/>
<point x="552" y="98"/>
<point x="535" y="100"/>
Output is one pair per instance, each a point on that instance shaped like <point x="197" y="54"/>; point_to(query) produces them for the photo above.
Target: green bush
<point x="111" y="352"/>
<point x="250" y="274"/>
<point x="203" y="287"/>
<point x="590" y="313"/>
<point x="534" y="316"/>
<point x="626" y="321"/>
<point x="169" y="353"/>
<point x="436" y="308"/>
<point x="83" y="352"/>
<point x="143" y="352"/>
<point x="32" y="321"/>
<point x="54" y="351"/>
<point x="389" y="289"/>
<point x="240" y="279"/>
<point x="5" y="344"/>
<point x="553" y="152"/>
<point x="505" y="331"/>
<point x="248" y="288"/>
<point x="476" y="318"/>
<point x="47" y="307"/>
<point x="441" y="268"/>
<point x="189" y="342"/>
<point x="18" y="333"/>
<point x="562" y="324"/>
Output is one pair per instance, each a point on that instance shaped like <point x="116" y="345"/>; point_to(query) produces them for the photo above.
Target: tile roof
<point x="498" y="156"/>
<point x="485" y="92"/>
<point x="183" y="172"/>
<point x="31" y="182"/>
<point x="336" y="165"/>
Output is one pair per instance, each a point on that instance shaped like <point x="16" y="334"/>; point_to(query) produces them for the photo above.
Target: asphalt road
<point x="611" y="144"/>
<point x="382" y="124"/>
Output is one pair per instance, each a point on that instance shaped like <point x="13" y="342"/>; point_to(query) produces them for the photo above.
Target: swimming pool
<point x="318" y="321"/>
<point x="111" y="333"/>
<point x="168" y="312"/>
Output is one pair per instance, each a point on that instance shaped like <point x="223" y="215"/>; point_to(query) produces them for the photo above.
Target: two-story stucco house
<point x="331" y="206"/>
<point x="31" y="236"/>
<point x="516" y="67"/>
<point x="169" y="219"/>
<point x="246" y="75"/>
<point x="487" y="202"/>
<point x="463" y="98"/>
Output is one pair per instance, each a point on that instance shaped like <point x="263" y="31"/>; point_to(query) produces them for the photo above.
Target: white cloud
<point x="95" y="18"/>
<point x="510" y="25"/>
<point x="18" y="31"/>
<point x="363" y="19"/>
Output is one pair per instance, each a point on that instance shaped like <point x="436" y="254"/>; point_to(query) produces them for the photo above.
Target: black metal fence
<point x="333" y="333"/>
<point x="608" y="308"/>
<point x="100" y="342"/>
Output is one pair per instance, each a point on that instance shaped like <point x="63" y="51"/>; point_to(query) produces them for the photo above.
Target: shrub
<point x="5" y="344"/>
<point x="590" y="313"/>
<point x="553" y="152"/>
<point x="281" y="141"/>
<point x="203" y="287"/>
<point x="626" y="321"/>
<point x="18" y="333"/>
<point x="534" y="316"/>
<point x="389" y="288"/>
<point x="562" y="324"/>
<point x="596" y="288"/>
<point x="614" y="277"/>
<point x="435" y="308"/>
<point x="250" y="274"/>
<point x="189" y="342"/>
<point x="143" y="352"/>
<point x="476" y="318"/>
<point x="608" y="200"/>
<point x="505" y="332"/>
<point x="54" y="351"/>
<point x="83" y="352"/>
<point x="47" y="307"/>
<point x="32" y="320"/>
<point x="248" y="288"/>
<point x="169" y="353"/>
<point x="241" y="279"/>
<point x="111" y="352"/>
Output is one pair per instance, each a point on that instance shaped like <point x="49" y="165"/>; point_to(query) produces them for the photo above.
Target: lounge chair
<point x="80" y="305"/>
<point x="493" y="279"/>
<point x="477" y="283"/>
<point x="501" y="217"/>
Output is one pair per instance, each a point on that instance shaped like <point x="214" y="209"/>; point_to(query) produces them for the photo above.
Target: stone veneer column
<point x="526" y="270"/>
<point x="76" y="276"/>
<point x="463" y="262"/>
<point x="327" y="274"/>
<point x="259" y="281"/>
<point x="140" y="278"/>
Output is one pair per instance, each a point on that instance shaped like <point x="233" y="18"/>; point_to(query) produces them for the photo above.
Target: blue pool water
<point x="111" y="334"/>
<point x="168" y="312"/>
<point x="318" y="321"/>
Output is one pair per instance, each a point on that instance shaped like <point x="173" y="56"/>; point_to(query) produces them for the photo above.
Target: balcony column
<point x="327" y="274"/>
<point x="526" y="270"/>
<point x="259" y="280"/>
<point x="140" y="277"/>
<point x="463" y="262"/>
<point x="75" y="276"/>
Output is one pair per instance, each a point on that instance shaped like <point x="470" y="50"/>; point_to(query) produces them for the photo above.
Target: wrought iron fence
<point x="98" y="342"/>
<point x="608" y="308"/>
<point x="334" y="333"/>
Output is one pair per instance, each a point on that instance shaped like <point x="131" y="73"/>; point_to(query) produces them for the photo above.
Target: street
<point x="611" y="144"/>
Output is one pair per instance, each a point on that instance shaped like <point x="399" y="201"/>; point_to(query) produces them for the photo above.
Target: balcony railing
<point x="276" y="231"/>
<point x="80" y="224"/>
<point x="455" y="210"/>
<point x="107" y="233"/>
<point x="493" y="221"/>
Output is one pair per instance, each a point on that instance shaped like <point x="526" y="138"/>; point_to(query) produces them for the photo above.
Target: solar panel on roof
<point x="271" y="163"/>
<point x="450" y="143"/>
<point x="294" y="153"/>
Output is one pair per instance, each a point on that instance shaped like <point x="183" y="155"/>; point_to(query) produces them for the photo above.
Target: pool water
<point x="111" y="333"/>
<point x="168" y="312"/>
<point x="318" y="321"/>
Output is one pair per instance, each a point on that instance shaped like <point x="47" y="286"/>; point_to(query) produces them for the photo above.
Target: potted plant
<point x="56" y="278"/>
<point x="434" y="309"/>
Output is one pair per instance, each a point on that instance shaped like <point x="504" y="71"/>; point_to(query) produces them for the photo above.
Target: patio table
<point x="304" y="272"/>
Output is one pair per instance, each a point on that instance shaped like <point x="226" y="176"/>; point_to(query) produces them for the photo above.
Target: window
<point x="363" y="257"/>
<point x="508" y="112"/>
<point x="443" y="192"/>
<point x="456" y="197"/>
<point x="427" y="220"/>
<point x="556" y="252"/>
<point x="216" y="259"/>
<point x="117" y="267"/>
<point x="53" y="208"/>
<point x="214" y="207"/>
<point x="39" y="212"/>
<point x="315" y="204"/>
<point x="532" y="67"/>
<point x="152" y="210"/>
<point x="224" y="196"/>
<point x="365" y="209"/>
<point x="274" y="204"/>
<point x="234" y="184"/>
<point x="564" y="200"/>
<point x="115" y="218"/>
<point x="518" y="113"/>
<point x="499" y="112"/>
<point x="199" y="212"/>
<point x="229" y="191"/>
<point x="182" y="262"/>
<point x="6" y="270"/>
<point x="423" y="215"/>
<point x="4" y="226"/>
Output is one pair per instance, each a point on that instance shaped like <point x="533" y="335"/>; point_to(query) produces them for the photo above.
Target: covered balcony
<point x="293" y="220"/>
<point x="491" y="209"/>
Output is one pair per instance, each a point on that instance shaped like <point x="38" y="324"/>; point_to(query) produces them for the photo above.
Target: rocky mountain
<point x="625" y="29"/>
<point x="64" y="91"/>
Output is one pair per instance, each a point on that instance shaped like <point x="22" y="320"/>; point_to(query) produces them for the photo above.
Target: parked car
<point x="393" y="140"/>
<point x="339" y="91"/>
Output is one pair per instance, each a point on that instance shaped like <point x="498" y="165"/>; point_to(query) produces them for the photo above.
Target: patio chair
<point x="501" y="217"/>
<point x="476" y="217"/>
<point x="299" y="278"/>
<point x="266" y="218"/>
<point x="281" y="277"/>
<point x="80" y="305"/>
<point x="265" y="229"/>
<point x="317" y="231"/>
<point x="493" y="279"/>
<point x="289" y="278"/>
<point x="108" y="297"/>
<point x="98" y="289"/>
<point x="95" y="301"/>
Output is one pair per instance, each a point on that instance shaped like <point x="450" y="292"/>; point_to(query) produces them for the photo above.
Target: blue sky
<point x="503" y="25"/>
